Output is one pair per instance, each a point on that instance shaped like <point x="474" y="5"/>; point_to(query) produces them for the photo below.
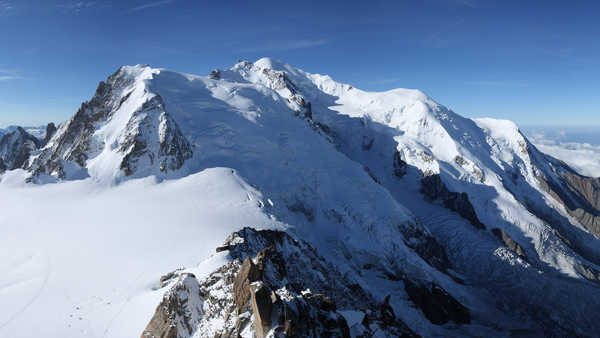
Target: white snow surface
<point x="83" y="257"/>
<point x="87" y="260"/>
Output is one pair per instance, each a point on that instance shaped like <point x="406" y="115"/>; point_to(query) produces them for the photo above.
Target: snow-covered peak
<point x="15" y="148"/>
<point x="122" y="131"/>
<point x="270" y="63"/>
<point x="437" y="217"/>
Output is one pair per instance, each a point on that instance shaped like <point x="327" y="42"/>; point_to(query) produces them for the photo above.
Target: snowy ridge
<point x="456" y="226"/>
<point x="38" y="132"/>
<point x="123" y="131"/>
<point x="15" y="149"/>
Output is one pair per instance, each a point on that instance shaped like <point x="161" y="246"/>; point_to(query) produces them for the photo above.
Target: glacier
<point x="438" y="224"/>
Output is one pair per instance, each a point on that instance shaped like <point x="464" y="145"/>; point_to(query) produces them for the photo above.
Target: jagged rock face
<point x="279" y="257"/>
<point x="434" y="188"/>
<point x="396" y="137"/>
<point x="178" y="312"/>
<point x="426" y="246"/>
<point x="15" y="149"/>
<point x="263" y="300"/>
<point x="215" y="74"/>
<point x="382" y="318"/>
<point x="280" y="82"/>
<point x="149" y="141"/>
<point x="437" y="305"/>
<point x="248" y="274"/>
<point x="399" y="165"/>
<point x="580" y="195"/>
<point x="72" y="143"/>
<point x="509" y="242"/>
<point x="50" y="131"/>
<point x="589" y="272"/>
<point x="269" y="292"/>
<point x="173" y="148"/>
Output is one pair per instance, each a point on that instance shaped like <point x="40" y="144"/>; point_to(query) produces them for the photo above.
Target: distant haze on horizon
<point x="534" y="62"/>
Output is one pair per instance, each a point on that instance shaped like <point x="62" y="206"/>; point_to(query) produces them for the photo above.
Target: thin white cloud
<point x="506" y="84"/>
<point x="78" y="6"/>
<point x="583" y="157"/>
<point x="9" y="75"/>
<point x="6" y="8"/>
<point x="151" y="5"/>
<point x="285" y="45"/>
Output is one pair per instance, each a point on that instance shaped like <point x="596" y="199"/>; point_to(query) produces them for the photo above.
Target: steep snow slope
<point x="500" y="171"/>
<point x="456" y="220"/>
<point x="122" y="131"/>
<point x="470" y="156"/>
<point x="330" y="200"/>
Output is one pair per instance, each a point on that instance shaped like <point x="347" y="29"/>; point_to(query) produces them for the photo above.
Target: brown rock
<point x="248" y="274"/>
<point x="509" y="242"/>
<point x="160" y="326"/>
<point x="261" y="307"/>
<point x="290" y="329"/>
<point x="434" y="188"/>
<point x="172" y="314"/>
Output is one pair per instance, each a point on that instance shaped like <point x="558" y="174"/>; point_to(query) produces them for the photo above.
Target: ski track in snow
<point x="260" y="160"/>
<point x="34" y="298"/>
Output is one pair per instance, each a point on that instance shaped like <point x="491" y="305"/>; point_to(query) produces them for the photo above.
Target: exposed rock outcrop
<point x="426" y="246"/>
<point x="50" y="132"/>
<point x="579" y="199"/>
<point x="509" y="242"/>
<point x="248" y="274"/>
<point x="382" y="317"/>
<point x="179" y="311"/>
<point x="215" y="74"/>
<point x="72" y="144"/>
<point x="437" y="305"/>
<point x="433" y="187"/>
<point x="581" y="196"/>
<point x="151" y="140"/>
<point x="16" y="148"/>
<point x="274" y="286"/>
<point x="399" y="165"/>
<point x="138" y="145"/>
<point x="588" y="272"/>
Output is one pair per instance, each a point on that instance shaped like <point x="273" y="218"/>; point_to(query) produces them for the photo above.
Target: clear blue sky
<point x="535" y="62"/>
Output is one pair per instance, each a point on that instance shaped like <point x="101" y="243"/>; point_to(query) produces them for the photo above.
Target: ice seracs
<point x="385" y="205"/>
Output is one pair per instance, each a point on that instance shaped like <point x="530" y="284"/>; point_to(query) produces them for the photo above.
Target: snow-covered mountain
<point x="38" y="132"/>
<point x="17" y="144"/>
<point x="351" y="213"/>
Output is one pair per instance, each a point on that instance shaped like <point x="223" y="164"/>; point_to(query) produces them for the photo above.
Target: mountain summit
<point x="352" y="213"/>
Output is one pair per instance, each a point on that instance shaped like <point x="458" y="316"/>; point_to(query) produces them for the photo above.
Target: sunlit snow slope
<point x="400" y="194"/>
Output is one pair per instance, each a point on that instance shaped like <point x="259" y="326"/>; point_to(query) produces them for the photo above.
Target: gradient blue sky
<point x="534" y="62"/>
